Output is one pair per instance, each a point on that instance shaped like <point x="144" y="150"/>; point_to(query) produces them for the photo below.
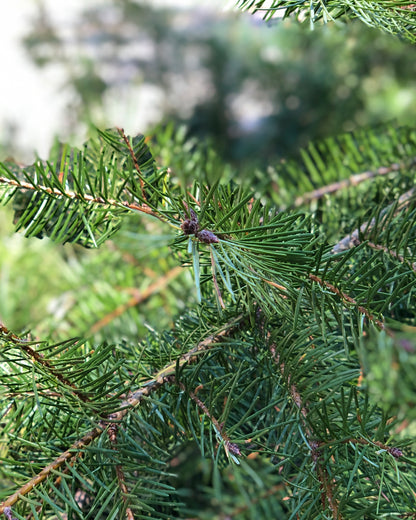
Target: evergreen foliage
<point x="397" y="18"/>
<point x="284" y="389"/>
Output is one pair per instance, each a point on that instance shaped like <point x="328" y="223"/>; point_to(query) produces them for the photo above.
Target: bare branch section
<point x="135" y="398"/>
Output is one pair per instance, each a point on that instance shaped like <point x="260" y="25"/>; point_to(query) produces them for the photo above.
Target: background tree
<point x="285" y="385"/>
<point x="257" y="90"/>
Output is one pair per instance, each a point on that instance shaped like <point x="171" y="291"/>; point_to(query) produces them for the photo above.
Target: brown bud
<point x="207" y="237"/>
<point x="190" y="226"/>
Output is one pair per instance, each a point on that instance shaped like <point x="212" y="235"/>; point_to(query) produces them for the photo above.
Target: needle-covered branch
<point x="285" y="384"/>
<point x="126" y="406"/>
<point x="397" y="17"/>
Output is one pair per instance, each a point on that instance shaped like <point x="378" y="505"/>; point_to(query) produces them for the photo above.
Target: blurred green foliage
<point x="391" y="367"/>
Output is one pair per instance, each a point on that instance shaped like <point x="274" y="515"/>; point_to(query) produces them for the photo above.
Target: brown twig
<point x="50" y="468"/>
<point x="394" y="452"/>
<point x="134" y="159"/>
<point x="228" y="445"/>
<point x="33" y="355"/>
<point x="327" y="485"/>
<point x="83" y="197"/>
<point x="348" y="299"/>
<point x="135" y="398"/>
<point x="112" y="435"/>
<point x="354" y="180"/>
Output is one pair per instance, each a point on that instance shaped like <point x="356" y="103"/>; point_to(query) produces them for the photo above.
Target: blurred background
<point x="257" y="90"/>
<point x="254" y="91"/>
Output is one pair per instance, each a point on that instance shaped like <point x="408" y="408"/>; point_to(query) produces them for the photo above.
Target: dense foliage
<point x="283" y="388"/>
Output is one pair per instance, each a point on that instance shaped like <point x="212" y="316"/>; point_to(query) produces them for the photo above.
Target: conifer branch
<point x="112" y="435"/>
<point x="134" y="159"/>
<point x="393" y="17"/>
<point x="343" y="184"/>
<point x="392" y="253"/>
<point x="164" y="375"/>
<point x="215" y="281"/>
<point x="328" y="486"/>
<point x="33" y="355"/>
<point x="147" y="387"/>
<point x="263" y="258"/>
<point x="353" y="239"/>
<point x="83" y="197"/>
<point x="48" y="470"/>
<point x="394" y="452"/>
<point x="230" y="447"/>
<point x="347" y="299"/>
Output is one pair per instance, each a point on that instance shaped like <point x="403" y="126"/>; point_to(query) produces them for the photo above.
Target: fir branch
<point x="112" y="435"/>
<point x="394" y="254"/>
<point x="34" y="356"/>
<point x="163" y="376"/>
<point x="397" y="17"/>
<point x="134" y="159"/>
<point x="366" y="159"/>
<point x="230" y="447"/>
<point x="66" y="456"/>
<point x="83" y="197"/>
<point x="347" y="299"/>
<point x="394" y="451"/>
<point x="343" y="184"/>
<point x="136" y="397"/>
<point x="264" y="260"/>
<point x="80" y="196"/>
<point x="327" y="485"/>
<point x="215" y="281"/>
<point x="353" y="239"/>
